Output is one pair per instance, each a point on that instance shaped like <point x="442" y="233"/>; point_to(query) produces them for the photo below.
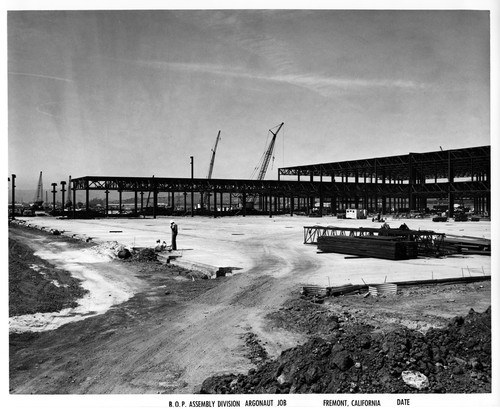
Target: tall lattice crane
<point x="206" y="195"/>
<point x="212" y="158"/>
<point x="266" y="157"/>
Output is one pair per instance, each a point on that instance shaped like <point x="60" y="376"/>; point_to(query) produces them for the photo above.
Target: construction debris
<point x="382" y="289"/>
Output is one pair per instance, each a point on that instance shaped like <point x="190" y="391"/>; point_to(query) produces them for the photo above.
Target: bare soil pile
<point x="145" y="255"/>
<point x="357" y="359"/>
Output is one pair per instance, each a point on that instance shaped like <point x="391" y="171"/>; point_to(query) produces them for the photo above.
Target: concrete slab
<point x="274" y="246"/>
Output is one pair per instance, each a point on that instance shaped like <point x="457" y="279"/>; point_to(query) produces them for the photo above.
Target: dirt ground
<point x="176" y="330"/>
<point x="364" y="345"/>
<point x="35" y="285"/>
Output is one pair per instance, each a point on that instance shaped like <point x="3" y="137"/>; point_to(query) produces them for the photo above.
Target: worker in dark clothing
<point x="173" y="227"/>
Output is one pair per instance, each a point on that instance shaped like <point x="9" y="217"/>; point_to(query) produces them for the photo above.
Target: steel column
<point x="63" y="183"/>
<point x="54" y="191"/>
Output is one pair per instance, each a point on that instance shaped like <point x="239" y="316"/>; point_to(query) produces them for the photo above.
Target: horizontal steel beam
<point x="276" y="187"/>
<point x="465" y="162"/>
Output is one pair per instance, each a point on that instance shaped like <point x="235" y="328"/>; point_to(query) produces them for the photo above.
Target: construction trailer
<point x="355" y="214"/>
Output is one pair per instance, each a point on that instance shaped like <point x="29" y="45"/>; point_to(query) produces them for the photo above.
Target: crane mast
<point x="268" y="154"/>
<point x="206" y="195"/>
<point x="212" y="159"/>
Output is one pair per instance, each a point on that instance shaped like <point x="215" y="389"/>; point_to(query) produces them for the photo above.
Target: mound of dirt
<point x="145" y="255"/>
<point x="358" y="359"/>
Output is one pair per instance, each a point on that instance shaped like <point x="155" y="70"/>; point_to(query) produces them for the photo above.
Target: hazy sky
<point x="136" y="93"/>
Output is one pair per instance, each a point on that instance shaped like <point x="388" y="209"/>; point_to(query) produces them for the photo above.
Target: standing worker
<point x="173" y="227"/>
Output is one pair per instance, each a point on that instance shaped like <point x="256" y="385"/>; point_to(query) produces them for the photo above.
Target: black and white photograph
<point x="270" y="204"/>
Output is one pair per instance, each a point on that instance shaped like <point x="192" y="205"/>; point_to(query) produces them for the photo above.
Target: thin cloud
<point x="317" y="83"/>
<point x="40" y="76"/>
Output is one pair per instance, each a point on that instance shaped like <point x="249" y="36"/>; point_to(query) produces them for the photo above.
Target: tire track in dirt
<point x="207" y="335"/>
<point x="173" y="349"/>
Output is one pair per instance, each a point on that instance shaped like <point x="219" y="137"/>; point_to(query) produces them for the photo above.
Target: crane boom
<point x="206" y="195"/>
<point x="268" y="154"/>
<point x="212" y="159"/>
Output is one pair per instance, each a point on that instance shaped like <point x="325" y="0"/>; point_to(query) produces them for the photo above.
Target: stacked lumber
<point x="368" y="246"/>
<point x="411" y="248"/>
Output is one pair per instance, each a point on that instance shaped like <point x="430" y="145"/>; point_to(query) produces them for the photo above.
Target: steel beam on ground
<point x="428" y="242"/>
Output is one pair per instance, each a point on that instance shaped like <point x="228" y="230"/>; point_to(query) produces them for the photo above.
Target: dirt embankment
<point x="352" y="351"/>
<point x="36" y="285"/>
<point x="100" y="354"/>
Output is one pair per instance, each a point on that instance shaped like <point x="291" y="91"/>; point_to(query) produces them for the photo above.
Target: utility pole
<point x="13" y="196"/>
<point x="192" y="186"/>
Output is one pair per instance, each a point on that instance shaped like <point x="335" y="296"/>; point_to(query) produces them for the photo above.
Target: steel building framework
<point x="378" y="184"/>
<point x="407" y="181"/>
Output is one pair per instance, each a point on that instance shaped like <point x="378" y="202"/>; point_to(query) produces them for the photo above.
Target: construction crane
<point x="211" y="167"/>
<point x="212" y="159"/>
<point x="264" y="162"/>
<point x="38" y="200"/>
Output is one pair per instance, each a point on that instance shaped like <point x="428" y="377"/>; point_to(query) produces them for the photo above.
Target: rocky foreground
<point x="357" y="359"/>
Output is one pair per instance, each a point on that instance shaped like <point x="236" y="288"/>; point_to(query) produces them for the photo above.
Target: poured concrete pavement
<point x="260" y="244"/>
